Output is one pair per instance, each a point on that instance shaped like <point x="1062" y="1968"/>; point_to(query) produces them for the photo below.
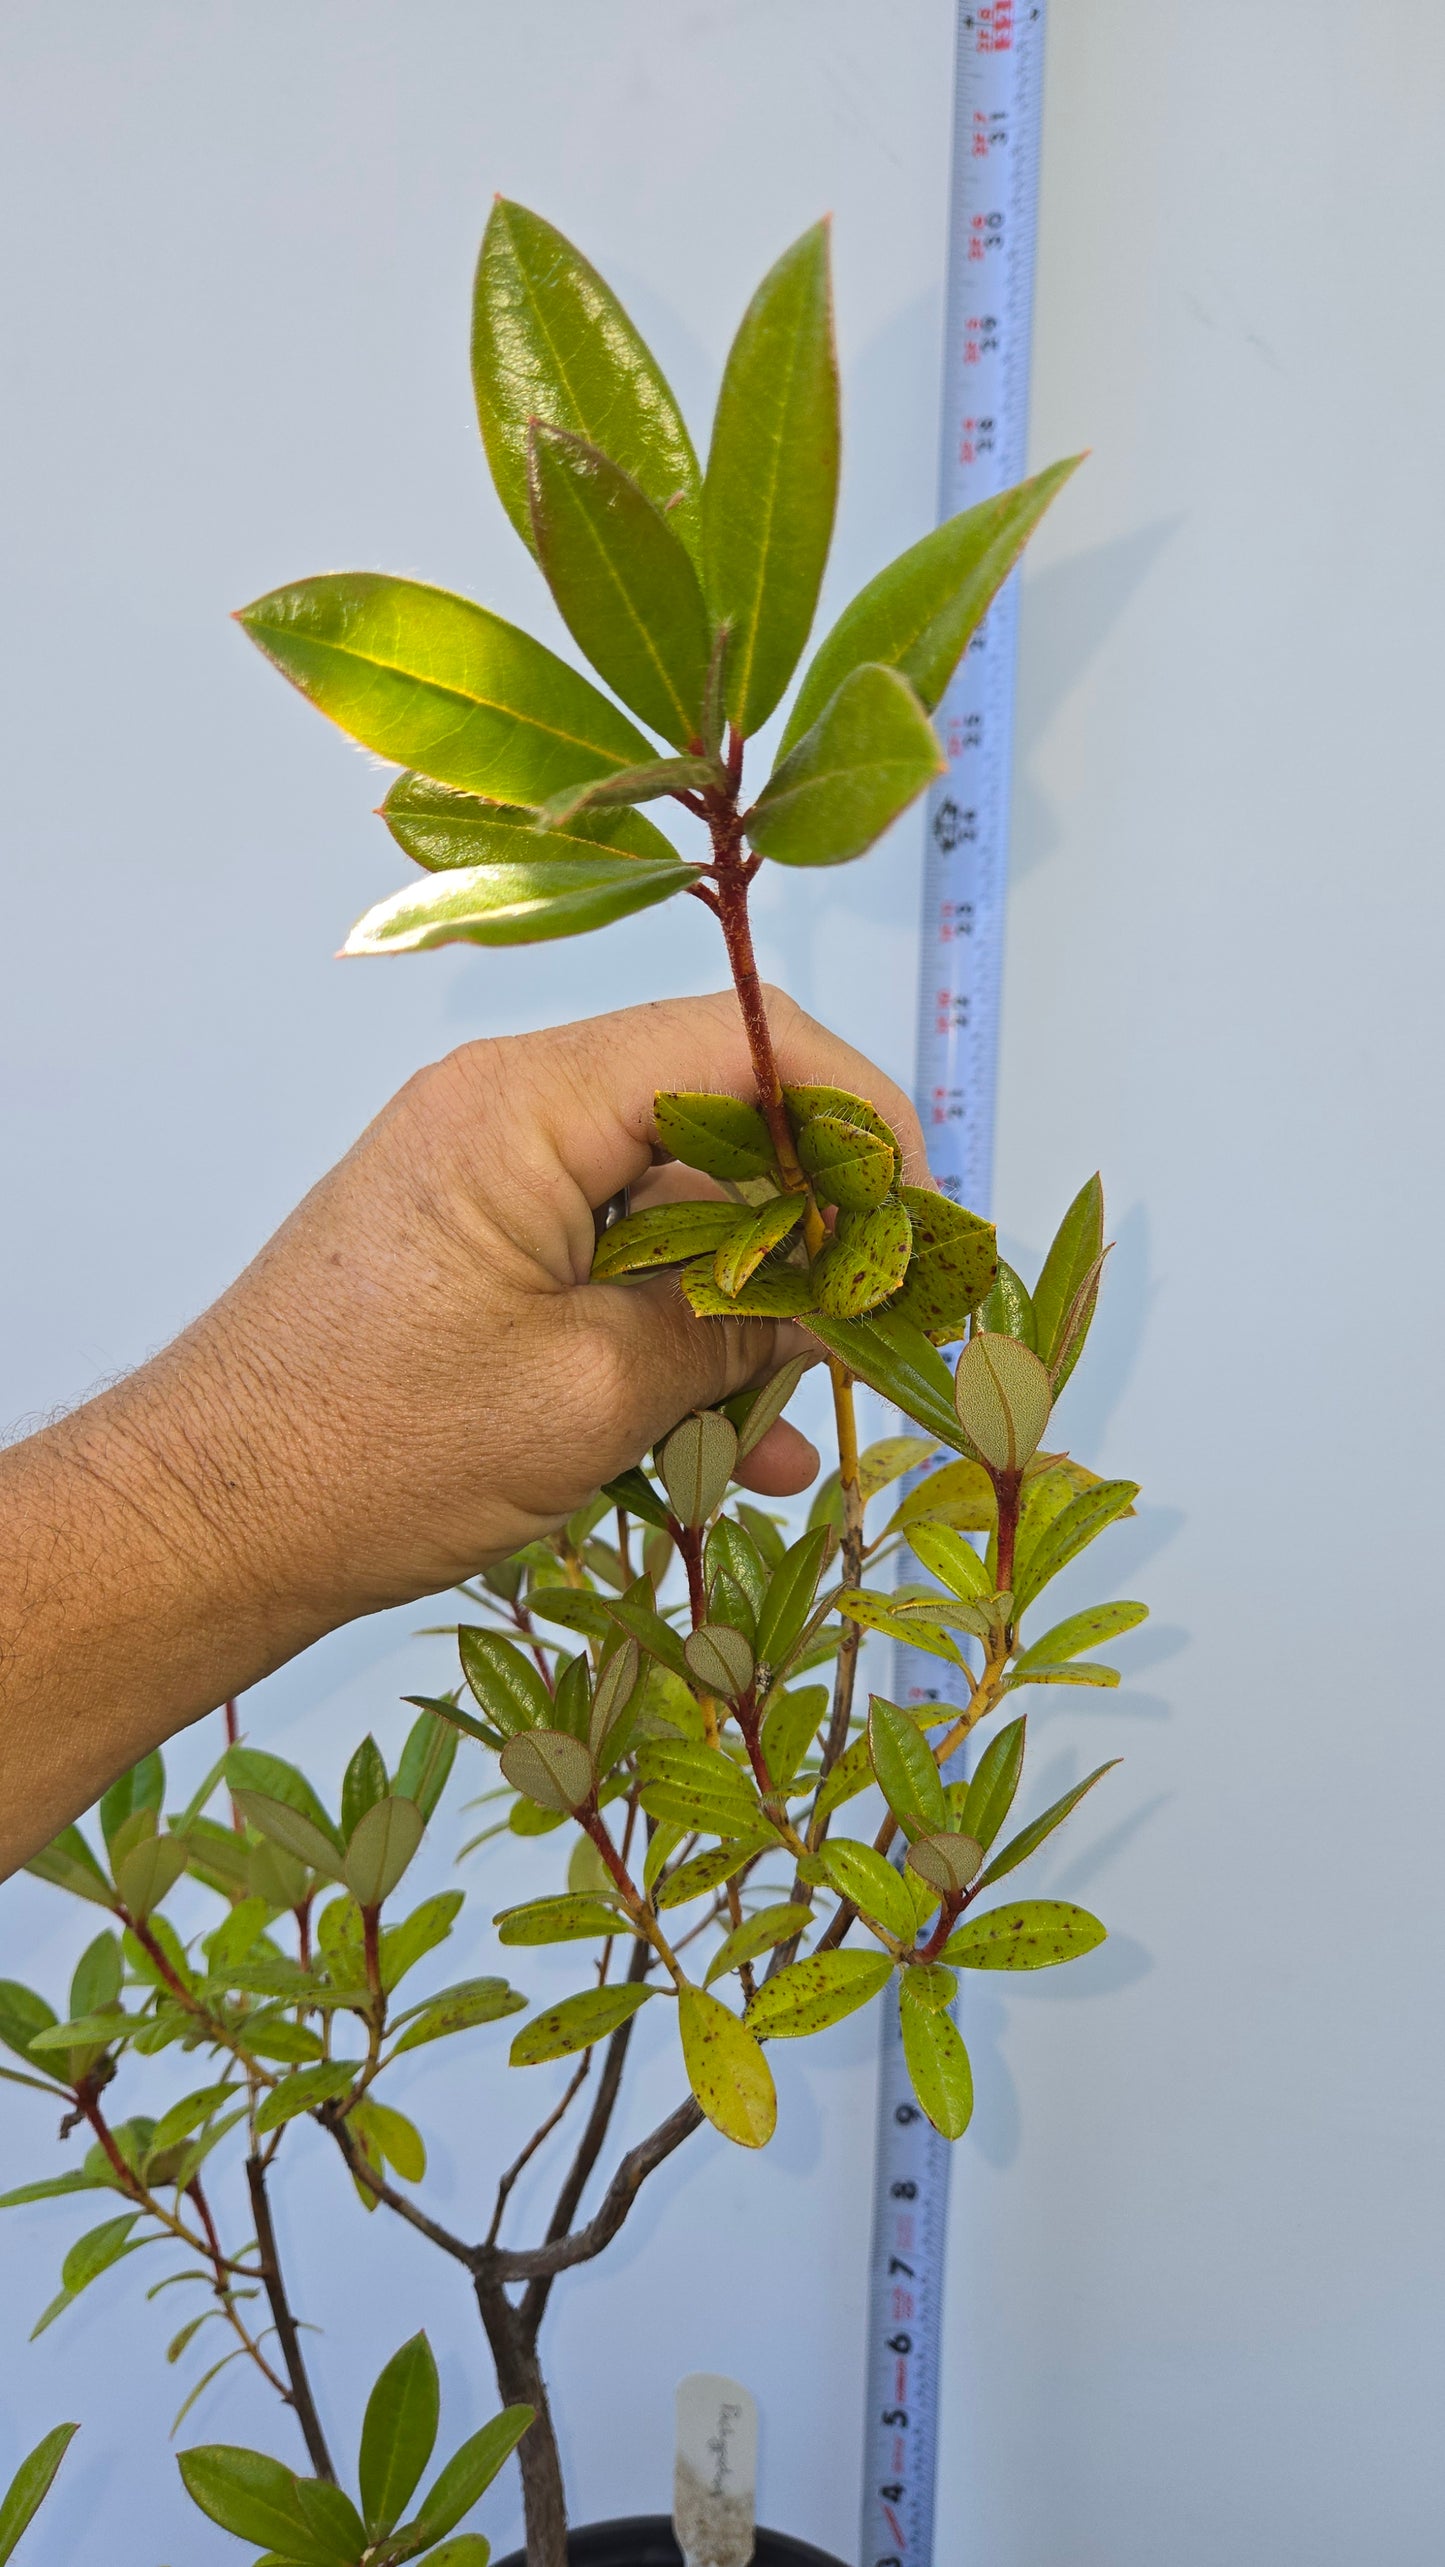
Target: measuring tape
<point x="993" y="210"/>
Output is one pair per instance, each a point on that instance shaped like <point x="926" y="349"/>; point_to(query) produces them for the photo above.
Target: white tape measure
<point x="993" y="208"/>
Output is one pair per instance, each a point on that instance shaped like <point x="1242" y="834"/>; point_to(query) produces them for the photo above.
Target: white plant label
<point x="714" y="2500"/>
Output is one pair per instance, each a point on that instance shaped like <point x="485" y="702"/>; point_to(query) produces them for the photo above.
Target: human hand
<point x="413" y="1378"/>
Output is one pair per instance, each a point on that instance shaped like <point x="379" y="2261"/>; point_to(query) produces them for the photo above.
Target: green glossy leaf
<point x="68" y="1863"/>
<point x="628" y="1613"/>
<point x="774" y="1292"/>
<point x="1030" y="1838"/>
<point x="623" y="582"/>
<point x="809" y="1995"/>
<point x="731" y="1552"/>
<point x="303" y="2092"/>
<point x="960" y="1495"/>
<point x="443" y="829"/>
<point x="143" y="1787"/>
<point x="650" y="781"/>
<point x="97" y="1978"/>
<point x="789" y="1600"/>
<point x="790" y="1725"/>
<point x="252" y="1769"/>
<point x="366" y="1781"/>
<point x="506" y="1684"/>
<point x="919" y="614"/>
<point x="990" y="1793"/>
<point x="936" y="2060"/>
<point x="469" y="2549"/>
<point x="700" y="1787"/>
<point x="880" y="1613"/>
<point x="253" y="2496"/>
<point x="954" y="1261"/>
<point x="386" y="1838"/>
<point x="551" y="341"/>
<point x="953" y="1560"/>
<point x="739" y="1257"/>
<point x="1003" y="1396"/>
<point x="1086" y="1630"/>
<point x="726" y="2069"/>
<point x="772" y="478"/>
<point x="1072" y="1671"/>
<point x="634" y="1491"/>
<point x="892" y="1355"/>
<point x="880" y="1463"/>
<point x="852" y="1774"/>
<point x="552" y="1769"/>
<point x="1069" y="1532"/>
<point x="460" y="2009"/>
<point x="696" y="1463"/>
<point x="866" y="1878"/>
<point x="23" y="2014"/>
<point x="398" y="2434"/>
<point x="576" y="1609"/>
<point x="724" y="1136"/>
<point x="189" y="2113"/>
<point x="759" y="1933"/>
<point x="1034" y="1934"/>
<point x="85" y="2031"/>
<point x="869" y="755"/>
<point x="702" y="1873"/>
<point x="865" y="1261"/>
<point x="516" y="904"/>
<point x="848" y="1167"/>
<point x="149" y="1872"/>
<point x="665" y="1236"/>
<point x="53" y="2187"/>
<point x="907" y="1774"/>
<point x="426" y="1761"/>
<point x="470" y="2471"/>
<point x="1008" y="1311"/>
<point x="576" y="2023"/>
<point x="402" y="1946"/>
<point x="719" y="1660"/>
<point x="1061" y="1317"/>
<point x="438" y="683"/>
<point x="565" y="1919"/>
<point x="89" y="2257"/>
<point x="31" y="2485"/>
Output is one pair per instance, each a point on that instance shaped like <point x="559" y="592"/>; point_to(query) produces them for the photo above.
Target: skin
<point x="413" y="1378"/>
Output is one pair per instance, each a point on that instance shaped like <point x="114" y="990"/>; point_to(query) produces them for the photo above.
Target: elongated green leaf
<point x="1008" y="1310"/>
<point x="879" y="1613"/>
<point x="1086" y="1630"/>
<point x="773" y="1292"/>
<point x="951" y="1559"/>
<point x="516" y="904"/>
<point x="89" y="2257"/>
<point x="442" y="829"/>
<point x="739" y="1257"/>
<point x="149" y="1873"/>
<point x="253" y="1769"/>
<point x="652" y="781"/>
<point x="1072" y="1671"/>
<point x="848" y="1167"/>
<point x="628" y="1613"/>
<point x="470" y="2471"/>
<point x="551" y="341"/>
<point x="867" y="757"/>
<point x="85" y="2030"/>
<point x="665" y="1236"/>
<point x="695" y="1464"/>
<point x="1072" y="1259"/>
<point x="505" y="1683"/>
<point x="460" y="2009"/>
<point x="385" y="1840"/>
<point x="52" y="2187"/>
<point x="724" y="1136"/>
<point x="426" y="1760"/>
<point x="789" y="1599"/>
<point x="623" y="581"/>
<point x="772" y="478"/>
<point x="698" y="1786"/>
<point x="1030" y="1838"/>
<point x="321" y="2084"/>
<point x="23" y="2014"/>
<point x="892" y="1355"/>
<point x="402" y="1946"/>
<point x="438" y="683"/>
<point x="731" y="1552"/>
<point x="852" y="1774"/>
<point x="865" y="1261"/>
<point x="760" y="1933"/>
<point x="253" y="2496"/>
<point x="809" y="1995"/>
<point x="565" y="1919"/>
<point x="1033" y="1934"/>
<point x="97" y="1978"/>
<point x="469" y="2549"/>
<point x="552" y="1769"/>
<point x="867" y="1879"/>
<point x="790" y="1725"/>
<point x="365" y="1782"/>
<point x="726" y="2069"/>
<point x="634" y="1491"/>
<point x="31" y="2485"/>
<point x="702" y="1873"/>
<point x="332" y="2520"/>
<point x="143" y="1787"/>
<point x="904" y="1764"/>
<point x="68" y="1863"/>
<point x="398" y="2433"/>
<point x="1068" y="1533"/>
<point x="954" y="1261"/>
<point x="919" y="613"/>
<point x="990" y="1794"/>
<point x="576" y="2023"/>
<point x="936" y="2059"/>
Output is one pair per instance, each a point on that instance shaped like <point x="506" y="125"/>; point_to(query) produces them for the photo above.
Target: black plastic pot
<point x="645" y="2540"/>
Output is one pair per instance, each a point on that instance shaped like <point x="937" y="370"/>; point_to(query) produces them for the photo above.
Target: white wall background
<point x="1196" y="2249"/>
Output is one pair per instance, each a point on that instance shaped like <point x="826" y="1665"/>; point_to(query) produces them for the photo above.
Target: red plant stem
<point x="689" y="1543"/>
<point x="738" y="937"/>
<point x="1008" y="1484"/>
